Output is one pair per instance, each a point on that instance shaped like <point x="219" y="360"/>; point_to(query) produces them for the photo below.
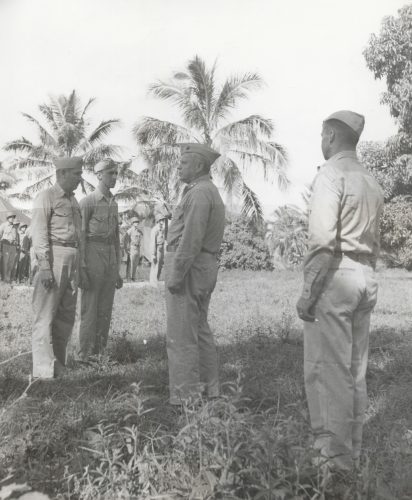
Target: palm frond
<point x="152" y="132"/>
<point x="251" y="126"/>
<point x="103" y="130"/>
<point x="86" y="108"/>
<point x="34" y="188"/>
<point x="251" y="207"/>
<point x="22" y="145"/>
<point x="203" y="86"/>
<point x="47" y="112"/>
<point x="168" y="91"/>
<point x="45" y="135"/>
<point x="234" y="89"/>
<point x="131" y="193"/>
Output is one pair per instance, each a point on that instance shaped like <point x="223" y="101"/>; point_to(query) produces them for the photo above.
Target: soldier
<point x="135" y="236"/>
<point x="24" y="256"/>
<point x="100" y="234"/>
<point x="55" y="231"/>
<point x="9" y="241"/>
<point x="340" y="291"/>
<point x="194" y="237"/>
<point x="157" y="243"/>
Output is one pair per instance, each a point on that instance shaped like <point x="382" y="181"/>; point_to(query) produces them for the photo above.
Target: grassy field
<point x="107" y="431"/>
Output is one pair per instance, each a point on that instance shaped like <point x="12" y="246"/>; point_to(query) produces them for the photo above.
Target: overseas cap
<point x="23" y="224"/>
<point x="63" y="163"/>
<point x="135" y="219"/>
<point x="353" y="120"/>
<point x="209" y="154"/>
<point x="104" y="165"/>
<point x="10" y="214"/>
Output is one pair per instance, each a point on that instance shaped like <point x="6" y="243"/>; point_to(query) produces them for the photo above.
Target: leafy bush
<point x="244" y="247"/>
<point x="396" y="232"/>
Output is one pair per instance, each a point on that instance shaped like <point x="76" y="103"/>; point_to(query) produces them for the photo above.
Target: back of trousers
<point x="191" y="350"/>
<point x="54" y="312"/>
<point x="336" y="357"/>
<point x="97" y="300"/>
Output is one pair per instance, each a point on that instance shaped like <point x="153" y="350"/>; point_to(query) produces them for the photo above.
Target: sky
<point x="309" y="54"/>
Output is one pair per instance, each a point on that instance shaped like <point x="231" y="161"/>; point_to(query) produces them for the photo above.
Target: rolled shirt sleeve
<point x="195" y="218"/>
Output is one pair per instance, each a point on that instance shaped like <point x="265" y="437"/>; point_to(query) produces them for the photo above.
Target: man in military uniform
<point x="134" y="243"/>
<point x="340" y="291"/>
<point x="24" y="255"/>
<point x="100" y="234"/>
<point x="193" y="242"/>
<point x="157" y="245"/>
<point x="55" y="231"/>
<point x="9" y="241"/>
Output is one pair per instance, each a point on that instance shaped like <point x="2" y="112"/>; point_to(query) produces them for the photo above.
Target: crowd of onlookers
<point x="18" y="262"/>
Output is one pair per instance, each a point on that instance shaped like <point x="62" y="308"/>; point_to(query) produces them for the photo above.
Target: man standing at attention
<point x="134" y="242"/>
<point x="55" y="230"/>
<point x="157" y="244"/>
<point x="9" y="244"/>
<point x="340" y="291"/>
<point x="194" y="237"/>
<point x="100" y="236"/>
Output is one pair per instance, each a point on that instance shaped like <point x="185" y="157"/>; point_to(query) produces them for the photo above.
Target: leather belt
<point x="101" y="239"/>
<point x="10" y="243"/>
<point x="358" y="257"/>
<point x="71" y="244"/>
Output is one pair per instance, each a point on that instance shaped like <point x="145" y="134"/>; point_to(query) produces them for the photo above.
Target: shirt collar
<point x="99" y="195"/>
<point x="344" y="154"/>
<point x="205" y="177"/>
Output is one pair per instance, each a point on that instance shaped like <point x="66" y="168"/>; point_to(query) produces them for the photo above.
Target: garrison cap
<point x="354" y="121"/>
<point x="209" y="154"/>
<point x="135" y="219"/>
<point x="16" y="222"/>
<point x="23" y="224"/>
<point x="104" y="165"/>
<point x="64" y="162"/>
<point x="10" y="214"/>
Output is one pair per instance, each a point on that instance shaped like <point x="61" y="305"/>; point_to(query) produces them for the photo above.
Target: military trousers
<point x="336" y="357"/>
<point x="134" y="260"/>
<point x="97" y="300"/>
<point x="54" y="312"/>
<point x="156" y="269"/>
<point x="191" y="350"/>
<point x="8" y="261"/>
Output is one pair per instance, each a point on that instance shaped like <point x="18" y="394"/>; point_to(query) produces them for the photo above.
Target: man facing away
<point x="340" y="291"/>
<point x="9" y="244"/>
<point x="101" y="266"/>
<point x="55" y="231"/>
<point x="134" y="242"/>
<point x="193" y="242"/>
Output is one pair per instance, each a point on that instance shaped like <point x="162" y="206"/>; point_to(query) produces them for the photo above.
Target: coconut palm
<point x="288" y="234"/>
<point x="205" y="109"/>
<point x="64" y="131"/>
<point x="7" y="178"/>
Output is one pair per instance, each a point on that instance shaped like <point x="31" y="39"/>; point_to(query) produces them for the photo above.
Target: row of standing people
<point x="15" y="244"/>
<point x="338" y="296"/>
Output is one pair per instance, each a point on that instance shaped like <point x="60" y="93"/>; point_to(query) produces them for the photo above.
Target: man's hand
<point x="119" y="282"/>
<point x="84" y="282"/>
<point x="46" y="278"/>
<point x="175" y="289"/>
<point x="154" y="260"/>
<point x="305" y="309"/>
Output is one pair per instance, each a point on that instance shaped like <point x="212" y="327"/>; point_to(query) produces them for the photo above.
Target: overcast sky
<point x="309" y="54"/>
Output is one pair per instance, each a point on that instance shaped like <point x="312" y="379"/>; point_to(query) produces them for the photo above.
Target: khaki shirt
<point x="135" y="236"/>
<point x="198" y="223"/>
<point x="345" y="209"/>
<point x="56" y="217"/>
<point x="157" y="239"/>
<point x="9" y="233"/>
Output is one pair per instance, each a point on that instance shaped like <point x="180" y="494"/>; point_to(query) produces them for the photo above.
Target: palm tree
<point x="288" y="233"/>
<point x="7" y="178"/>
<point x="205" y="109"/>
<point x="65" y="132"/>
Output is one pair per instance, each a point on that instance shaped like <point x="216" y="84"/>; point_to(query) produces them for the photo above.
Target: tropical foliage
<point x="63" y="131"/>
<point x="7" y="178"/>
<point x="243" y="246"/>
<point x="205" y="108"/>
